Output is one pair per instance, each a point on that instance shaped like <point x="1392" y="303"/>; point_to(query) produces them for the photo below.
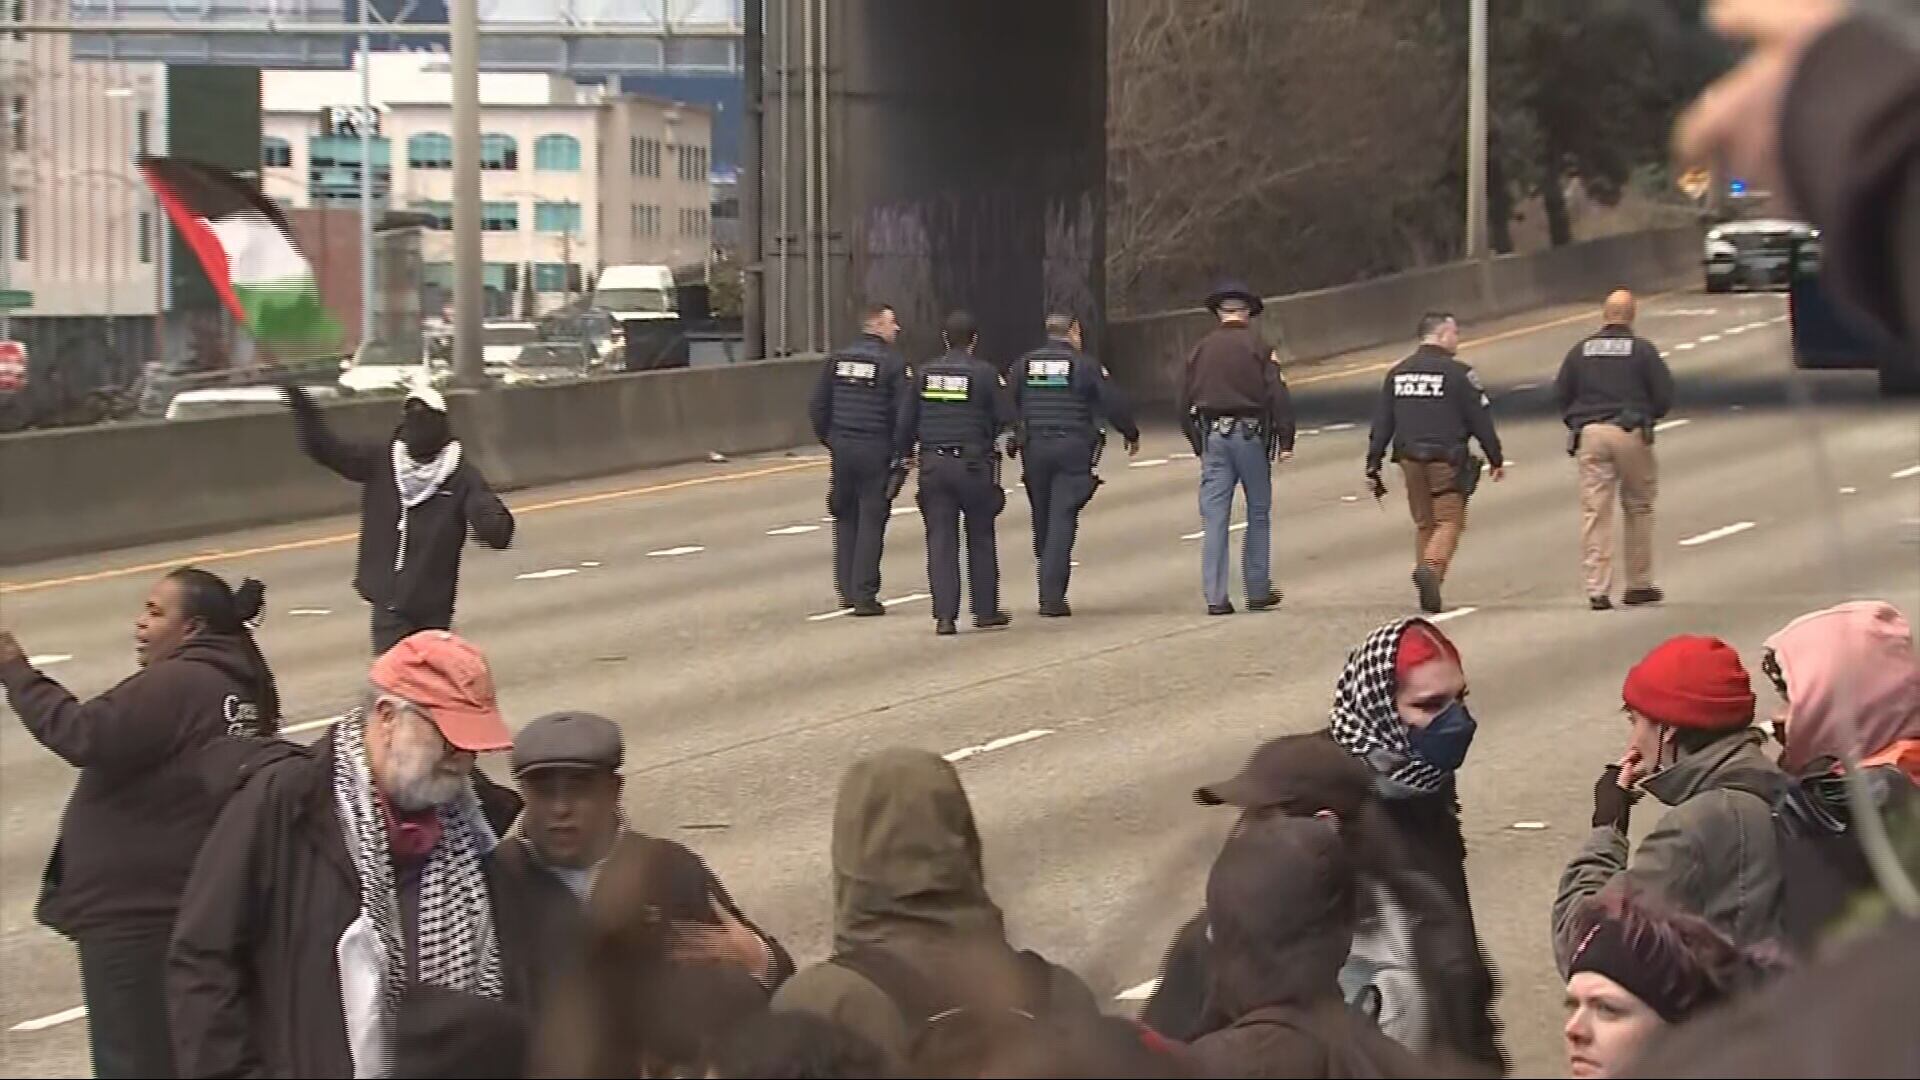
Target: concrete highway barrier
<point x="1147" y="353"/>
<point x="77" y="490"/>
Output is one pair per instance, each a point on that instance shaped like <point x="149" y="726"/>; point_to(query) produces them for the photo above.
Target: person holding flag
<point x="420" y="498"/>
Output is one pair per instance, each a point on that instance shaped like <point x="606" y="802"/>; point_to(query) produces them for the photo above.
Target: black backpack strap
<point x="916" y="996"/>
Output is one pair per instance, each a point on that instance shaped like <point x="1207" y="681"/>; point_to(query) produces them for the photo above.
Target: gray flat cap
<point x="568" y="740"/>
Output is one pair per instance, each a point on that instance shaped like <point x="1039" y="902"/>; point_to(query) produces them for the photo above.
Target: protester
<point x="1851" y="687"/>
<point x="1280" y="903"/>
<point x="139" y="812"/>
<point x="1692" y="746"/>
<point x="419" y="498"/>
<point x="1415" y="964"/>
<point x="335" y="878"/>
<point x="797" y="1046"/>
<point x="915" y="933"/>
<point x="1636" y="969"/>
<point x="572" y="843"/>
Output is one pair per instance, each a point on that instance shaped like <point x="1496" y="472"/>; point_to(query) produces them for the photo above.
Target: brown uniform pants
<point x="1439" y="512"/>
<point x="1613" y="459"/>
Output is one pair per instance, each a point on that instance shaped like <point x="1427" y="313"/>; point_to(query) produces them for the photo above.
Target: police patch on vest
<point x="946" y="387"/>
<point x="1607" y="346"/>
<point x="1054" y="373"/>
<point x="864" y="372"/>
<point x="1419" y="384"/>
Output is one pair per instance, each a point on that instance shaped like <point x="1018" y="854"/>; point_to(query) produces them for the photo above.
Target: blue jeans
<point x="1239" y="458"/>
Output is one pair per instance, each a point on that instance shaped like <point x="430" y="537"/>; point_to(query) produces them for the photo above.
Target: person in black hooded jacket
<point x="141" y="808"/>
<point x="419" y="498"/>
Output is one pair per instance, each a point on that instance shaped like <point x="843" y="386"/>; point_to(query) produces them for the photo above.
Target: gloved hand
<point x="1133" y="446"/>
<point x="1376" y="485"/>
<point x="1612" y="804"/>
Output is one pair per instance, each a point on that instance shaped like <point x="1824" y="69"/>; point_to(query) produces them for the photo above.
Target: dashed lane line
<point x="64" y="1016"/>
<point x="311" y="725"/>
<point x="1708" y="339"/>
<point x="547" y="575"/>
<point x="1139" y="993"/>
<point x="1669" y="425"/>
<point x="1449" y="616"/>
<point x="1907" y="473"/>
<point x="1720" y="533"/>
<point x="793" y="530"/>
<point x="1684" y="346"/>
<point x="895" y="602"/>
<point x="309" y="612"/>
<point x="1147" y="463"/>
<point x="46" y="660"/>
<point x="989" y="747"/>
<point x="672" y="552"/>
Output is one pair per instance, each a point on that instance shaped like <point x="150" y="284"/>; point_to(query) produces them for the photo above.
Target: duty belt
<point x="1252" y="426"/>
<point x="954" y="451"/>
<point x="1056" y="432"/>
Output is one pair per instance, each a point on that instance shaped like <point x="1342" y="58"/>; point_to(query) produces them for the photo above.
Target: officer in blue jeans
<point x="1239" y="418"/>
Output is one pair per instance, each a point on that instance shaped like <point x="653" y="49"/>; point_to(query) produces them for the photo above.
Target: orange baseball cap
<point x="450" y="681"/>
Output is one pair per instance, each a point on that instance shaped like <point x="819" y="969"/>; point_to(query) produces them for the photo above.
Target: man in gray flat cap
<point x="571" y="859"/>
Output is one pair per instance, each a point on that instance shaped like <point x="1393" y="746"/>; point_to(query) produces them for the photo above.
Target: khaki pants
<point x="1439" y="512"/>
<point x="1613" y="459"/>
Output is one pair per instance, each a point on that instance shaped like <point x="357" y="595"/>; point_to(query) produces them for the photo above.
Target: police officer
<point x="1061" y="395"/>
<point x="956" y="415"/>
<point x="1613" y="387"/>
<point x="1238" y="418"/>
<point x="855" y="410"/>
<point x="1430" y="404"/>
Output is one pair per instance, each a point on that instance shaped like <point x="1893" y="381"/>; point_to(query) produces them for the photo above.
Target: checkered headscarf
<point x="458" y="948"/>
<point x="1365" y="722"/>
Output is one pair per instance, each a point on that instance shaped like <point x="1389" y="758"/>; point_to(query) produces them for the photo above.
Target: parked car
<point x="375" y="369"/>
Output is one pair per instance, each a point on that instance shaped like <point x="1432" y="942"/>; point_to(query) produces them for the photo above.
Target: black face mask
<point x="424" y="432"/>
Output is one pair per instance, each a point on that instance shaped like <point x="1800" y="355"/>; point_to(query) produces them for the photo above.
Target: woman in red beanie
<point x="1692" y="746"/>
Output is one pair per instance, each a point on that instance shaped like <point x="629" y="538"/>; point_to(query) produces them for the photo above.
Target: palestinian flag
<point x="247" y="250"/>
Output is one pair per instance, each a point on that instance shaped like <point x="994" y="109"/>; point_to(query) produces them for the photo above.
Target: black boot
<point x="1055" y="609"/>
<point x="1219" y="609"/>
<point x="1427" y="581"/>
<point x="1649" y="595"/>
<point x="1271" y="600"/>
<point x="1600" y="603"/>
<point x="866" y="609"/>
<point x="992" y="620"/>
<point x="945" y="627"/>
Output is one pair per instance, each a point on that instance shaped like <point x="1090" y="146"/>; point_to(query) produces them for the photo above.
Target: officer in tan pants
<point x="1613" y="387"/>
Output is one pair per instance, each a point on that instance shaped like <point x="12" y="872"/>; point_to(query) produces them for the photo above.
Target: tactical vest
<point x="861" y="405"/>
<point x="950" y="413"/>
<point x="1048" y="398"/>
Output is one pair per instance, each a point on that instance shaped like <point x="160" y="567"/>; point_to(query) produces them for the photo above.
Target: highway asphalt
<point x="693" y="605"/>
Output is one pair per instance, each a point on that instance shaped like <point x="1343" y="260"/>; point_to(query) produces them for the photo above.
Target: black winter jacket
<point x="423" y="587"/>
<point x="1613" y="378"/>
<point x="1429" y="405"/>
<point x="139" y="813"/>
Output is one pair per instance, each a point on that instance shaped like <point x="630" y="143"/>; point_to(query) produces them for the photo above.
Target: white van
<point x="636" y="291"/>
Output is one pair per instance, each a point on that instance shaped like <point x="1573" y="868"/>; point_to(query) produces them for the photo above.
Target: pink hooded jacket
<point x="1853" y="685"/>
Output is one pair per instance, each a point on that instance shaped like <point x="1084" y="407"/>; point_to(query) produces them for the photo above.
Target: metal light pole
<point x="366" y="182"/>
<point x="1476" y="234"/>
<point x="467" y="299"/>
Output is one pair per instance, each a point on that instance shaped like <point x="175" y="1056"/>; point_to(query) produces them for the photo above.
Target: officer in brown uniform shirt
<point x="1239" y="417"/>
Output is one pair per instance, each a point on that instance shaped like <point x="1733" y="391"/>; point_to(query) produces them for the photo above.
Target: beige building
<point x="79" y="231"/>
<point x="571" y="176"/>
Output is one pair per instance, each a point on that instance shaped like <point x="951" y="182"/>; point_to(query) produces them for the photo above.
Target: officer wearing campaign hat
<point x="1239" y="418"/>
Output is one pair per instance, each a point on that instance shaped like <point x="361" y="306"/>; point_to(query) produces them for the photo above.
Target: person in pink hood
<point x="1851" y="687"/>
<point x="1851" y="683"/>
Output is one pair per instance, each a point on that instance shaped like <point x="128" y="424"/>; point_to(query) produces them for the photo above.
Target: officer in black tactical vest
<point x="1061" y="396"/>
<point x="856" y="412"/>
<point x="1430" y="405"/>
<point x="956" y="414"/>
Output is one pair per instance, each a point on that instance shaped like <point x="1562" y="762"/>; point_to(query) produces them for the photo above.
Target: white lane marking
<point x="1760" y="324"/>
<point x="793" y="530"/>
<point x="668" y="553"/>
<point x="1236" y="526"/>
<point x="64" y="1016"/>
<point x="1708" y="339"/>
<point x="1526" y="386"/>
<point x="304" y="612"/>
<point x="1074" y="563"/>
<point x="1448" y="616"/>
<point x="903" y="511"/>
<point x="966" y="752"/>
<point x="1193" y="535"/>
<point x="1736" y="408"/>
<point x="828" y="520"/>
<point x="1904" y="474"/>
<point x="1139" y="993"/>
<point x="895" y="602"/>
<point x="1343" y="426"/>
<point x="1778" y="319"/>
<point x="1684" y="346"/>
<point x="1720" y="533"/>
<point x="311" y="725"/>
<point x="1311" y="431"/>
<point x="1182" y="456"/>
<point x="1849" y="491"/>
<point x="1349" y="498"/>
<point x="45" y="660"/>
<point x="1669" y="425"/>
<point x="1147" y="463"/>
<point x="544" y="575"/>
<point x="1530" y="826"/>
<point x="1732" y="330"/>
<point x="589" y="566"/>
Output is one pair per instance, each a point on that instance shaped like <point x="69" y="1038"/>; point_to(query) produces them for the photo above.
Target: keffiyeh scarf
<point x="457" y="947"/>
<point x="1364" y="719"/>
<point x="417" y="481"/>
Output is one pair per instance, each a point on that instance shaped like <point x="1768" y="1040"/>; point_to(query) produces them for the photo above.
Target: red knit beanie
<point x="1691" y="682"/>
<point x="1420" y="642"/>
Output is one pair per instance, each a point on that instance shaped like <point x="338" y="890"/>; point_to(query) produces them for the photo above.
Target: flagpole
<point x="366" y="183"/>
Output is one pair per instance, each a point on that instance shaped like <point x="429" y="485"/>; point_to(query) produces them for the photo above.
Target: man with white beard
<point x="338" y="877"/>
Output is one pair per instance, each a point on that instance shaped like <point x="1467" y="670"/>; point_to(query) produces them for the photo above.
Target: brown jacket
<point x="907" y="880"/>
<point x="1231" y="372"/>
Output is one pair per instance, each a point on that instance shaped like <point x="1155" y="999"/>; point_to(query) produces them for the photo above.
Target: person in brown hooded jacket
<point x="1281" y="903"/>
<point x="911" y="911"/>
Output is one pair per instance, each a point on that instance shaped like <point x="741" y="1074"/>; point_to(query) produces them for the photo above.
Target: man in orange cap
<point x="1693" y="746"/>
<point x="337" y="877"/>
